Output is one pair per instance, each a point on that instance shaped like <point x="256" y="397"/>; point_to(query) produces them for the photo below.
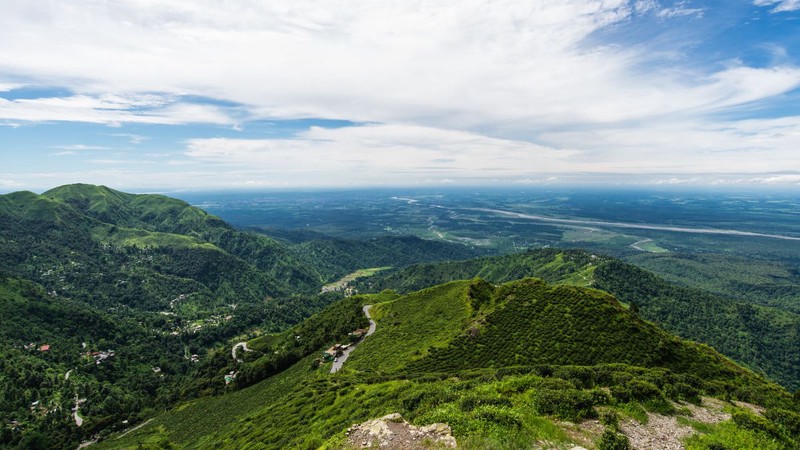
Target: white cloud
<point x="747" y="146"/>
<point x="112" y="109"/>
<point x="680" y="9"/>
<point x="780" y="5"/>
<point x="80" y="147"/>
<point x="459" y="87"/>
<point x="9" y="183"/>
<point x="461" y="64"/>
<point x="135" y="139"/>
<point x="380" y="153"/>
<point x="5" y="87"/>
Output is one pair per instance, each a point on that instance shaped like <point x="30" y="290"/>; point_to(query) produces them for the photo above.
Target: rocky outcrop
<point x="392" y="432"/>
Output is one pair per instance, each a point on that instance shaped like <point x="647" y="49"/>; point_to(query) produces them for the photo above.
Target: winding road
<point x="341" y="359"/>
<point x="243" y="345"/>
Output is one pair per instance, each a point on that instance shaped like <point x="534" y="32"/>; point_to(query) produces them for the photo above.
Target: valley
<point x="203" y="334"/>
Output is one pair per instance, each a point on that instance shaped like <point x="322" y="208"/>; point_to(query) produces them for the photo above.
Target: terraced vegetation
<point x="762" y="338"/>
<point x="169" y="286"/>
<point x="478" y="385"/>
<point x="501" y="357"/>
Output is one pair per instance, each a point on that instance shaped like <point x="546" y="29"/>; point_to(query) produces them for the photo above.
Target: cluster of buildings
<point x="32" y="346"/>
<point x="99" y="357"/>
<point x="337" y="349"/>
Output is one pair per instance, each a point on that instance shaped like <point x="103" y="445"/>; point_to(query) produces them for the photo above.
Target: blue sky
<point x="148" y="95"/>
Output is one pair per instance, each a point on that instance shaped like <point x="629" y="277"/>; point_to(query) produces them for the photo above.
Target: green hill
<point x="163" y="280"/>
<point x="502" y="365"/>
<point x="762" y="338"/>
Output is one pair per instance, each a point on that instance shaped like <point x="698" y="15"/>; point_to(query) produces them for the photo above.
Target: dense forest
<point x="457" y="367"/>
<point x="163" y="286"/>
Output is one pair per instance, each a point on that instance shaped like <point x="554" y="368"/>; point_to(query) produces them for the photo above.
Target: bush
<point x="498" y="415"/>
<point x="753" y="422"/>
<point x="471" y="402"/>
<point x="787" y="421"/>
<point x="610" y="419"/>
<point x="682" y="391"/>
<point x="569" y="404"/>
<point x="621" y="393"/>
<point x="611" y="440"/>
<point x="554" y="384"/>
<point x="643" y="390"/>
<point x="582" y="377"/>
<point x="599" y="397"/>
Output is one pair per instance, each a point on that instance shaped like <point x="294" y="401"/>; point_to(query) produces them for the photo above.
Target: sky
<point x="243" y="94"/>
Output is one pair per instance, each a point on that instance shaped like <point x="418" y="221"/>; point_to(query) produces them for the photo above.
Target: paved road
<point x="340" y="361"/>
<point x="244" y="347"/>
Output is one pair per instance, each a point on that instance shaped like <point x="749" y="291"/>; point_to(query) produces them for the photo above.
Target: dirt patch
<point x="392" y="432"/>
<point x="661" y="432"/>
<point x="584" y="433"/>
<point x="754" y="408"/>
<point x="665" y="433"/>
<point x="711" y="411"/>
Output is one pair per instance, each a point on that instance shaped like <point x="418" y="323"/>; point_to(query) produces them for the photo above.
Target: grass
<point x="409" y="326"/>
<point x="652" y="247"/>
<point x="192" y="420"/>
<point x="132" y="237"/>
<point x="729" y="436"/>
<point x="361" y="273"/>
<point x="426" y="363"/>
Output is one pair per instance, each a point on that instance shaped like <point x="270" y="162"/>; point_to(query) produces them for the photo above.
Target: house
<point x="44" y="348"/>
<point x="356" y="335"/>
<point x="230" y="377"/>
<point x="333" y="352"/>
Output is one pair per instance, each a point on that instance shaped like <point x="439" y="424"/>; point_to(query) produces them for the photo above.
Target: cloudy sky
<point x="188" y="94"/>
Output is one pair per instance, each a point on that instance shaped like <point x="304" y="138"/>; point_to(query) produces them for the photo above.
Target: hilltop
<point x="763" y="338"/>
<point x="502" y="365"/>
<point x="161" y="283"/>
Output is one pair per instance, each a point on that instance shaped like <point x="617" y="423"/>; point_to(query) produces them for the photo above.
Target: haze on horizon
<point x="141" y="94"/>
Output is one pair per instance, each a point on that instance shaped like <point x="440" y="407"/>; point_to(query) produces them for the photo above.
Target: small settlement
<point x="337" y="349"/>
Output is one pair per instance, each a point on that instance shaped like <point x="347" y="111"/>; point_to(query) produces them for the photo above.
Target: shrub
<point x="610" y="419"/>
<point x="569" y="404"/>
<point x="787" y="421"/>
<point x="554" y="384"/>
<point x="753" y="422"/>
<point x="471" y="402"/>
<point x="498" y="415"/>
<point x="682" y="391"/>
<point x="582" y="377"/>
<point x="519" y="384"/>
<point x="621" y="393"/>
<point x="611" y="440"/>
<point x="599" y="397"/>
<point x="643" y="390"/>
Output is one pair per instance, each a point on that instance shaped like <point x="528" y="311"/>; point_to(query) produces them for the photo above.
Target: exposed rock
<point x="665" y="433"/>
<point x="392" y="432"/>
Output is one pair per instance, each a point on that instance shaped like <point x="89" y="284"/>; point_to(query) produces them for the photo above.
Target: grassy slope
<point x="763" y="338"/>
<point x="504" y="405"/>
<point x="411" y="324"/>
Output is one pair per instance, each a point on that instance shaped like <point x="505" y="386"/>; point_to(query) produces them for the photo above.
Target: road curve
<point x="341" y="359"/>
<point x="235" y="347"/>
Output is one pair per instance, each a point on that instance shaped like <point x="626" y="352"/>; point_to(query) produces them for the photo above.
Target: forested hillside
<point x="162" y="285"/>
<point x="503" y="366"/>
<point x="765" y="339"/>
